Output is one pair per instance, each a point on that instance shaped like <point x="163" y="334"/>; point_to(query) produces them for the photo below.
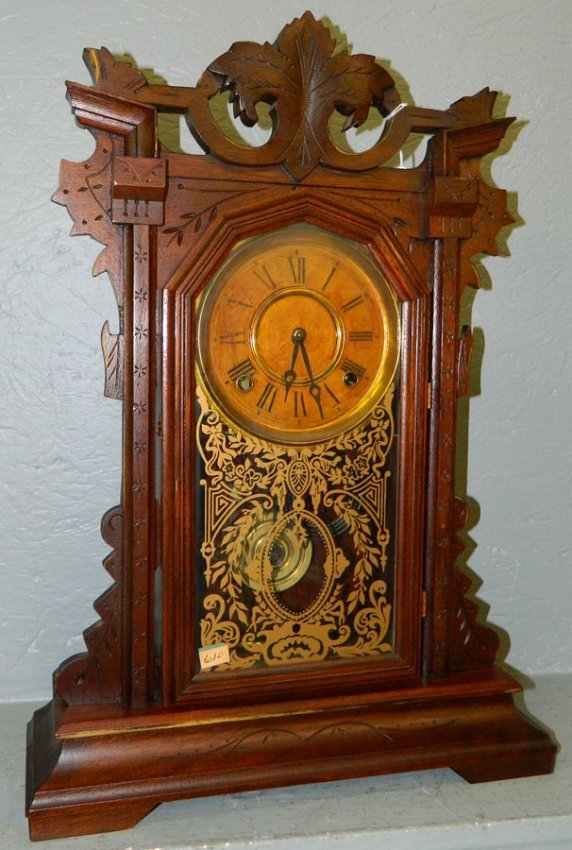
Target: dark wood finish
<point x="131" y="725"/>
<point x="468" y="724"/>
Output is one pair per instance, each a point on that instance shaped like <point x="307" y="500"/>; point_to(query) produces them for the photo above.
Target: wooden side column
<point x="139" y="188"/>
<point x="440" y="529"/>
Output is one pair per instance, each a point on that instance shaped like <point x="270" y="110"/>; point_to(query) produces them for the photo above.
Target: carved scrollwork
<point x="305" y="81"/>
<point x="474" y="645"/>
<point x="112" y="347"/>
<point x="85" y="189"/>
<point x="464" y="351"/>
<point x="490" y="216"/>
<point x="96" y="674"/>
<point x="112" y="76"/>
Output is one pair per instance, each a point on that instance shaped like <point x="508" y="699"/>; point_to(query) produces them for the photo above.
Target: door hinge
<point x="423" y="604"/>
<point x="429" y="395"/>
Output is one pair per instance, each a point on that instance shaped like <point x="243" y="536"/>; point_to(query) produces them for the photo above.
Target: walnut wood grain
<point x="482" y="737"/>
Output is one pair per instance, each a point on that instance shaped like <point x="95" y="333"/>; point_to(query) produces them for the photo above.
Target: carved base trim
<point x="107" y="780"/>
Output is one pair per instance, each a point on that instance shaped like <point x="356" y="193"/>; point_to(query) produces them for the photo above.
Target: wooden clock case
<point x="130" y="726"/>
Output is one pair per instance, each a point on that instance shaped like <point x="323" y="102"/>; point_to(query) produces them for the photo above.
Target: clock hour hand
<point x="315" y="391"/>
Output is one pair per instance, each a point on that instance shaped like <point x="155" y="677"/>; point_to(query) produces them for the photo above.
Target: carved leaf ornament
<point x="302" y="78"/>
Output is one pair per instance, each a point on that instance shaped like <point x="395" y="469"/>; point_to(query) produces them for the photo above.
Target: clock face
<point x="297" y="335"/>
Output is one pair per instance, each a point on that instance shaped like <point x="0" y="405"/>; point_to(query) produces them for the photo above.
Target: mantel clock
<point x="285" y="605"/>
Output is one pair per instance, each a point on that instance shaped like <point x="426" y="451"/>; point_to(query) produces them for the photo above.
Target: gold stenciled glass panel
<point x="297" y="355"/>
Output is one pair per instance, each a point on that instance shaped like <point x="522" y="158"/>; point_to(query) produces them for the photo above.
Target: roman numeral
<point x="329" y="277"/>
<point x="350" y="366"/>
<point x="298" y="269"/>
<point x="233" y="338"/>
<point x="266" y="400"/>
<point x="265" y="278"/>
<point x="353" y="303"/>
<point x="299" y="404"/>
<point x="245" y="367"/>
<point x="361" y="336"/>
<point x="239" y="303"/>
<point x="331" y="394"/>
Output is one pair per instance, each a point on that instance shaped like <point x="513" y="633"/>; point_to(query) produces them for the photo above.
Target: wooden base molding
<point x="84" y="780"/>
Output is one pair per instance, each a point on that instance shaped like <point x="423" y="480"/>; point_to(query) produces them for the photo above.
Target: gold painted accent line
<point x="190" y="723"/>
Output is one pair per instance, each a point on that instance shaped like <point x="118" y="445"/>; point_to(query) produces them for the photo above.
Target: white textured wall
<point x="59" y="439"/>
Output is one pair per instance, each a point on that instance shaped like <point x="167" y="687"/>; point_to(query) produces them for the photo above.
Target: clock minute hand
<point x="290" y="374"/>
<point x="314" y="388"/>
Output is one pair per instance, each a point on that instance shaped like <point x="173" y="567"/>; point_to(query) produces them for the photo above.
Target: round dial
<point x="297" y="335"/>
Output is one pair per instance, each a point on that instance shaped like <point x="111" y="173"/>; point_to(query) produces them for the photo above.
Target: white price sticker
<point x="210" y="656"/>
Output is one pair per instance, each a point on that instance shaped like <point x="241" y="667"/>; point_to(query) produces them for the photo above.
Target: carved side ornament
<point x="98" y="192"/>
